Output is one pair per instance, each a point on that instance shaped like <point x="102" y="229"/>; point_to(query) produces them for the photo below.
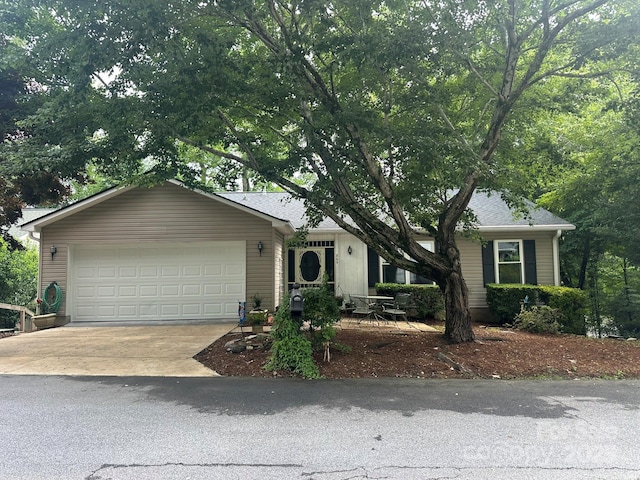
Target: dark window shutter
<point x="373" y="267"/>
<point x="329" y="259"/>
<point x="530" y="267"/>
<point x="291" y="267"/>
<point x="488" y="266"/>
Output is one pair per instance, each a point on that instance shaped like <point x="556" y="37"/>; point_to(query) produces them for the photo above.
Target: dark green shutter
<point x="329" y="259"/>
<point x="373" y="267"/>
<point x="530" y="264"/>
<point x="488" y="265"/>
<point x="291" y="266"/>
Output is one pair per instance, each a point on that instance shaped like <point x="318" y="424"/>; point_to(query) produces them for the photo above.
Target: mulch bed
<point x="497" y="353"/>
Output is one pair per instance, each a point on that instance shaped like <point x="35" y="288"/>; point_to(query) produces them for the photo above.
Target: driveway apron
<point x="150" y="350"/>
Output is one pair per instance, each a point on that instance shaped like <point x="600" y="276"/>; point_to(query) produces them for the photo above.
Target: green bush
<point x="426" y="299"/>
<point x="505" y="302"/>
<point x="572" y="302"/>
<point x="539" y="319"/>
<point x="291" y="349"/>
<point x="322" y="311"/>
<point x="505" y="299"/>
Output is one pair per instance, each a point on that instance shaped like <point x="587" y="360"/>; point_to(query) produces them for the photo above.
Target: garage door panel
<point x="193" y="290"/>
<point x="107" y="311"/>
<point x="191" y="271"/>
<point x="194" y="310"/>
<point x="213" y="309"/>
<point x="149" y="271"/>
<point x="170" y="281"/>
<point x="231" y="309"/>
<point x="107" y="272"/>
<point x="86" y="272"/>
<point x="85" y="292"/>
<point x="128" y="272"/>
<point x="148" y="311"/>
<point x="170" y="290"/>
<point x="170" y="271"/>
<point x="148" y="290"/>
<point x="213" y="270"/>
<point x="170" y="310"/>
<point x="127" y="291"/>
<point x="234" y="269"/>
<point x="127" y="310"/>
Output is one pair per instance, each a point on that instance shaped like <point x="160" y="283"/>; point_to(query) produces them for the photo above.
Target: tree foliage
<point x="396" y="110"/>
<point x="600" y="194"/>
<point x="18" y="279"/>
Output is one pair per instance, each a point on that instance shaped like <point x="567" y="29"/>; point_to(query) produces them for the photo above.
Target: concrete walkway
<point x="156" y="350"/>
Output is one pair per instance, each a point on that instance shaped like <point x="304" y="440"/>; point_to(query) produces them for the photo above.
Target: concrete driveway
<point x="151" y="350"/>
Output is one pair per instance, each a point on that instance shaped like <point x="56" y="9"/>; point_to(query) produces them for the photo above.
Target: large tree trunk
<point x="458" y="327"/>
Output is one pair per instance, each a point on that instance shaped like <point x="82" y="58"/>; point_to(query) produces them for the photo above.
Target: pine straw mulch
<point x="496" y="353"/>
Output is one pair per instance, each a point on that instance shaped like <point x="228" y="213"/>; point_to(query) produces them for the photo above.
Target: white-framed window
<point x="392" y="274"/>
<point x="509" y="258"/>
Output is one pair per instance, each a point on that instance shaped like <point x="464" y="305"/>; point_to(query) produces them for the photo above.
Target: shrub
<point x="291" y="349"/>
<point x="505" y="299"/>
<point x="426" y="299"/>
<point x="539" y="319"/>
<point x="572" y="302"/>
<point x="505" y="302"/>
<point x="322" y="311"/>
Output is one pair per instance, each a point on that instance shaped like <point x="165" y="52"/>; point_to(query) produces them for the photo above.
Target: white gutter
<point x="556" y="258"/>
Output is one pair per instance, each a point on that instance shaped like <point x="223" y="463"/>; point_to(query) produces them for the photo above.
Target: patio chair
<point x="363" y="309"/>
<point x="348" y="305"/>
<point x="398" y="308"/>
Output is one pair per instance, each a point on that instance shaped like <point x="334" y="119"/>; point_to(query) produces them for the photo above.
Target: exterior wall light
<point x="260" y="247"/>
<point x="53" y="251"/>
<point x="349" y="250"/>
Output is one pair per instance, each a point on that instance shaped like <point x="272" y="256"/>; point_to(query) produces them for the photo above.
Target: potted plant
<point x="257" y="316"/>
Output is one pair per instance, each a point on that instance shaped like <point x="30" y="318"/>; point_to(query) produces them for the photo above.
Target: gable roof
<point x="491" y="210"/>
<point x="64" y="212"/>
<point x="287" y="213"/>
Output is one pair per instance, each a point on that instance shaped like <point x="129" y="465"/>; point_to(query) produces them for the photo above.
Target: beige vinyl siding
<point x="164" y="214"/>
<point x="53" y="270"/>
<point x="471" y="259"/>
<point x="278" y="266"/>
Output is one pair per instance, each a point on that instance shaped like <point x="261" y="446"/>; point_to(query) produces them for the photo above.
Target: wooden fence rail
<point x="24" y="311"/>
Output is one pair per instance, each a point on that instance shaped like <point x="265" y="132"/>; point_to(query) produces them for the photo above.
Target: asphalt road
<point x="222" y="428"/>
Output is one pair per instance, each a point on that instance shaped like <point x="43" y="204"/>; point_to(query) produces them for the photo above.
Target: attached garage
<point x="160" y="254"/>
<point x="183" y="281"/>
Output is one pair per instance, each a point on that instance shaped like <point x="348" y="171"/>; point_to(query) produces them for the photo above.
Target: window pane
<point x="392" y="274"/>
<point x="310" y="266"/>
<point x="510" y="273"/>
<point x="508" y="252"/>
<point x="419" y="280"/>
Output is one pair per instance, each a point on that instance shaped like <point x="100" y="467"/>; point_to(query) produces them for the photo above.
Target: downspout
<point x="556" y="258"/>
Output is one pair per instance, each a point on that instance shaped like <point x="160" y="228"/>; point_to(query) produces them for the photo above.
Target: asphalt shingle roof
<point x="490" y="210"/>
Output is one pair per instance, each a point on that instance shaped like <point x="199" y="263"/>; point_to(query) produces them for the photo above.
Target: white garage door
<point x="157" y="281"/>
